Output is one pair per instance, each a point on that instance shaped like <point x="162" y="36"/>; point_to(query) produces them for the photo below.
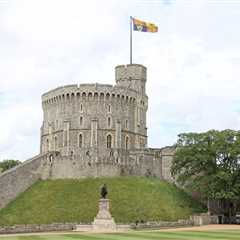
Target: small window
<point x="109" y="122"/>
<point x="65" y="138"/>
<point x="109" y="108"/>
<point x="127" y="143"/>
<point x="80" y="141"/>
<point x="126" y="124"/>
<point x="81" y="121"/>
<point x="55" y="143"/>
<point x="109" y="141"/>
<point x="81" y="108"/>
<point x="47" y="145"/>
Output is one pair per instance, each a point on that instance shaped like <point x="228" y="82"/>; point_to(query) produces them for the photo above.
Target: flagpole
<point x="130" y="39"/>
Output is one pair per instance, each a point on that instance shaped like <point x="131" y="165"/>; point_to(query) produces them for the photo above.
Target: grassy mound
<point x="132" y="198"/>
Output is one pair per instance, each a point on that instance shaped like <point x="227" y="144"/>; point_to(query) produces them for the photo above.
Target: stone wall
<point x="204" y="219"/>
<point x="163" y="224"/>
<point x="146" y="162"/>
<point x="18" y="179"/>
<point x="32" y="228"/>
<point x="167" y="157"/>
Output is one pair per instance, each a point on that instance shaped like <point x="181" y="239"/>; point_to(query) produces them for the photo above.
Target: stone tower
<point x="134" y="77"/>
<point x="95" y="118"/>
<point x="100" y="129"/>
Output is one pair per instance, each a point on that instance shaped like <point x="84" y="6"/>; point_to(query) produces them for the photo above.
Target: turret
<point x="132" y="76"/>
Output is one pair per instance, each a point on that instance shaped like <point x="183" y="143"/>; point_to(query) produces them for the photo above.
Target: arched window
<point x="109" y="141"/>
<point x="81" y="121"/>
<point x="107" y="96"/>
<point x="80" y="140"/>
<point x="109" y="122"/>
<point x="127" y="142"/>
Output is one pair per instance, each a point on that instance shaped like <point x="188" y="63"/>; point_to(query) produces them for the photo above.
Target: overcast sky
<point x="193" y="62"/>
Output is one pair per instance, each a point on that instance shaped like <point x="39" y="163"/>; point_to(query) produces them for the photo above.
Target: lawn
<point x="154" y="235"/>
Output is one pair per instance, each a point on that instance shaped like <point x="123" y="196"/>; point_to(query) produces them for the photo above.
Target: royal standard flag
<point x="142" y="26"/>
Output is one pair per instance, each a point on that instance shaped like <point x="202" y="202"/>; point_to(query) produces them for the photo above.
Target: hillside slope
<point x="132" y="198"/>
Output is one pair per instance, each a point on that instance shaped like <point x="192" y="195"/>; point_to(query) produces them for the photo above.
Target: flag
<point x="142" y="26"/>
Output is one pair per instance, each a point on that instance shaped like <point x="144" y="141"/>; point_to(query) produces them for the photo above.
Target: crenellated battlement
<point x="89" y="92"/>
<point x="130" y="72"/>
<point x="132" y="76"/>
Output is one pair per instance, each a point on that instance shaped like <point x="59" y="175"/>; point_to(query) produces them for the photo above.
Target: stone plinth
<point x="104" y="221"/>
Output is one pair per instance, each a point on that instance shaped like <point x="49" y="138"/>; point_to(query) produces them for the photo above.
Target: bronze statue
<point x="104" y="191"/>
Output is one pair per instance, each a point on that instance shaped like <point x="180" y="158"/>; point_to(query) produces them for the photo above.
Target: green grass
<point x="132" y="198"/>
<point x="181" y="235"/>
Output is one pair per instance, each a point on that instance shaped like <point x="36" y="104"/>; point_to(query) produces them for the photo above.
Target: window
<point x="65" y="138"/>
<point x="81" y="108"/>
<point x="81" y="121"/>
<point x="126" y="124"/>
<point x="109" y="141"/>
<point x="127" y="143"/>
<point x="55" y="143"/>
<point x="109" y="122"/>
<point x="109" y="108"/>
<point x="47" y="145"/>
<point x="80" y="141"/>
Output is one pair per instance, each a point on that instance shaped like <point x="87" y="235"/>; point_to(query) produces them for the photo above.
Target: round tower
<point x="92" y="124"/>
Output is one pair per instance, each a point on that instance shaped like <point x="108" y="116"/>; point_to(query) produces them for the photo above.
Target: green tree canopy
<point x="7" y="164"/>
<point x="209" y="163"/>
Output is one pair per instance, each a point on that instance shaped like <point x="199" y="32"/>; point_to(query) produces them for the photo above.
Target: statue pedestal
<point x="104" y="221"/>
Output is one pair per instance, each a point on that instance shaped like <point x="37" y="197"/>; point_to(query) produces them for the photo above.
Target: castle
<point x="92" y="130"/>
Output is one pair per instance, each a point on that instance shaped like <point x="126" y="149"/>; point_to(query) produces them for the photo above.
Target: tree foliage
<point x="209" y="163"/>
<point x="7" y="164"/>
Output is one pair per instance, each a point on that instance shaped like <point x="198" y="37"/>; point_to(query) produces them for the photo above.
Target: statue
<point x="104" y="191"/>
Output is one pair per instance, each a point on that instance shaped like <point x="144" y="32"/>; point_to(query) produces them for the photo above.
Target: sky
<point x="193" y="62"/>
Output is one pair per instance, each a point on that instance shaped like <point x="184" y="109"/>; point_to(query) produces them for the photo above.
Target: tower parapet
<point x="132" y="76"/>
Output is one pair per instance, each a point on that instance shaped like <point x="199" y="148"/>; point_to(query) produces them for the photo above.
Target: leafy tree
<point x="7" y="164"/>
<point x="209" y="163"/>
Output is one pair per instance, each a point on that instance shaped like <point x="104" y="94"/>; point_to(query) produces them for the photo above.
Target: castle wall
<point x="18" y="179"/>
<point x="167" y="157"/>
<point x="147" y="163"/>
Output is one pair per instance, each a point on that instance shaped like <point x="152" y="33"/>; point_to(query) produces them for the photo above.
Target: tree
<point x="209" y="163"/>
<point x="7" y="164"/>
